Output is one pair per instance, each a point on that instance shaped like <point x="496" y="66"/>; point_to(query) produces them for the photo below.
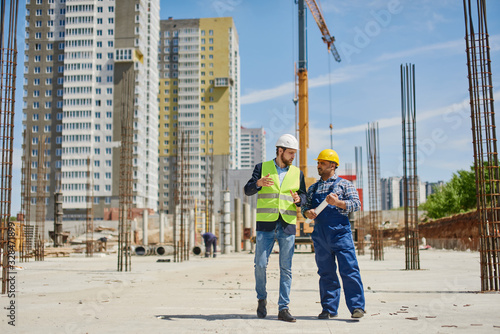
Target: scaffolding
<point x="126" y="172"/>
<point x="8" y="64"/>
<point x="360" y="226"/>
<point x="484" y="142"/>
<point x="410" y="176"/>
<point x="372" y="144"/>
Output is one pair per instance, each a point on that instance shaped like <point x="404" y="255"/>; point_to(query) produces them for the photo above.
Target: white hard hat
<point x="288" y="141"/>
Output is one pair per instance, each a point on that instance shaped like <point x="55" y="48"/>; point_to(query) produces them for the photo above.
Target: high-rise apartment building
<point x="198" y="62"/>
<point x="390" y="192"/>
<point x="253" y="147"/>
<point x="85" y="62"/>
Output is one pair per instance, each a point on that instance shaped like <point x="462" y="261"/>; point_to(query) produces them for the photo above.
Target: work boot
<point x="326" y="315"/>
<point x="357" y="313"/>
<point x="286" y="316"/>
<point x="261" y="308"/>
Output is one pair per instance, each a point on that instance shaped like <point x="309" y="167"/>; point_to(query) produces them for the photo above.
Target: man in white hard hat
<point x="332" y="238"/>
<point x="281" y="188"/>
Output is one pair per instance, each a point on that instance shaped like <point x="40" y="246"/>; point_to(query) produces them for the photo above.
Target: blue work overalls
<point x="332" y="238"/>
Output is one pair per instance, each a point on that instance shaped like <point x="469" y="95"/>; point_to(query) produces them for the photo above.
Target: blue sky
<point x="373" y="38"/>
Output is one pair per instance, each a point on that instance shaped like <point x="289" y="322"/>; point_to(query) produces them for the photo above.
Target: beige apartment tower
<point x="199" y="111"/>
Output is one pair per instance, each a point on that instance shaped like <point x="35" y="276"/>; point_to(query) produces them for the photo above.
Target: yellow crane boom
<point x="320" y="20"/>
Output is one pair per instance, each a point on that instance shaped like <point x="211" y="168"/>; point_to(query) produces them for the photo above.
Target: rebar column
<point x="484" y="142"/>
<point x="27" y="229"/>
<point x="372" y="143"/>
<point x="359" y="224"/>
<point x="8" y="64"/>
<point x="410" y="176"/>
<point x="126" y="171"/>
<point x="89" y="225"/>
<point x="41" y="195"/>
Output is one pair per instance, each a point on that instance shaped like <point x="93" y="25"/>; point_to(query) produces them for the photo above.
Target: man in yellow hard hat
<point x="281" y="188"/>
<point x="332" y="238"/>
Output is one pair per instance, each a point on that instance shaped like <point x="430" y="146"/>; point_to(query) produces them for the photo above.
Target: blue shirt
<point x="281" y="171"/>
<point x="344" y="189"/>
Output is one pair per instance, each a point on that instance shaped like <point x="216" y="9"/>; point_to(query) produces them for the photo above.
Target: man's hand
<point x="333" y="199"/>
<point x="311" y="214"/>
<point x="296" y="198"/>
<point x="266" y="181"/>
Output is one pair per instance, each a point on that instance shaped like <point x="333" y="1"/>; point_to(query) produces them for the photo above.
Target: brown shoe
<point x="357" y="313"/>
<point x="286" y="316"/>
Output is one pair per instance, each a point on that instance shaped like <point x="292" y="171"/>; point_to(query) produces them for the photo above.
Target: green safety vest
<point x="275" y="200"/>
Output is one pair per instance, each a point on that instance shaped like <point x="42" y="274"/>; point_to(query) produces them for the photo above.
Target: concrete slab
<point x="207" y="295"/>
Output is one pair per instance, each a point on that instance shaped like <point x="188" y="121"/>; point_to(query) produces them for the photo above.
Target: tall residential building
<point x="199" y="67"/>
<point x="253" y="147"/>
<point x="390" y="192"/>
<point x="85" y="62"/>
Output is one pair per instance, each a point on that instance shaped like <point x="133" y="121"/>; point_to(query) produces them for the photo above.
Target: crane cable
<point x="330" y="99"/>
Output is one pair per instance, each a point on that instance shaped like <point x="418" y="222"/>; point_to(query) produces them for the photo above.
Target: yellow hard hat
<point x="328" y="155"/>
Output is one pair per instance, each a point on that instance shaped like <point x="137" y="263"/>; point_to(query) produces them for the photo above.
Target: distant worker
<point x="103" y="244"/>
<point x="332" y="238"/>
<point x="281" y="188"/>
<point x="210" y="243"/>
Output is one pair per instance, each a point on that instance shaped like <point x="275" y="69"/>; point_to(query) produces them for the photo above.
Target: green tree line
<point x="456" y="196"/>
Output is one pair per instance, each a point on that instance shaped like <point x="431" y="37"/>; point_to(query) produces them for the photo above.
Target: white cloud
<point x="457" y="46"/>
<point x="348" y="73"/>
<point x="396" y="121"/>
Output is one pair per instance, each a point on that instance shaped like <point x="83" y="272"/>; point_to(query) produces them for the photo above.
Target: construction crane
<point x="302" y="98"/>
<point x="301" y="73"/>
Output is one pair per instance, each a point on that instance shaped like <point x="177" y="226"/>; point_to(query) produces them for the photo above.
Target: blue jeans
<point x="263" y="248"/>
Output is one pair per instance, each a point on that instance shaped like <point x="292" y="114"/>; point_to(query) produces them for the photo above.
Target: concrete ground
<point x="88" y="295"/>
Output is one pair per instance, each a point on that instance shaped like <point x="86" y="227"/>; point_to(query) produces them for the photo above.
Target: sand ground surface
<point x="216" y="295"/>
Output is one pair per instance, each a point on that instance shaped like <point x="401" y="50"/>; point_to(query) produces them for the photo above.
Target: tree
<point x="456" y="196"/>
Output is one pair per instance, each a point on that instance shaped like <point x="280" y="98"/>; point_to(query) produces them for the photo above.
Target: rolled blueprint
<point x="318" y="210"/>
